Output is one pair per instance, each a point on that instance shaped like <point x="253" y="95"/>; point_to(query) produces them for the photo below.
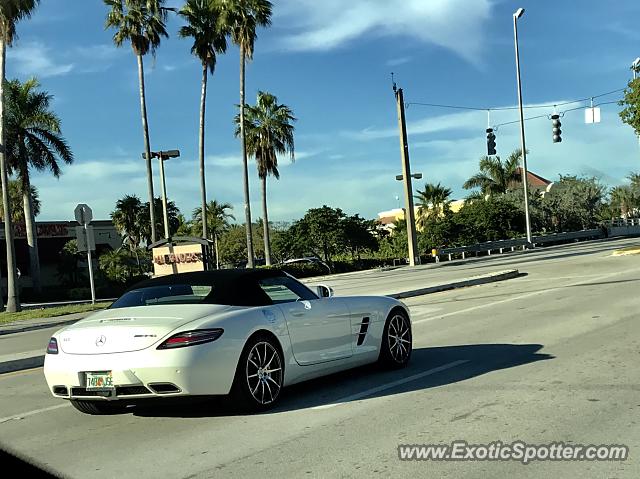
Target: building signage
<point x="178" y="259"/>
<point x="46" y="230"/>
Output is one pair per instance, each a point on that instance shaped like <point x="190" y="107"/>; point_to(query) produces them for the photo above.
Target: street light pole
<point x="164" y="195"/>
<point x="517" y="15"/>
<point x="162" y="157"/>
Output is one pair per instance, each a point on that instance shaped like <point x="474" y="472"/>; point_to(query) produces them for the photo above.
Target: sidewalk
<point x="396" y="289"/>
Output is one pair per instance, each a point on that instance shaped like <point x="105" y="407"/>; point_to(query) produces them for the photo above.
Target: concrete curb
<point x="37" y="361"/>
<point x="33" y="327"/>
<point x="474" y="281"/>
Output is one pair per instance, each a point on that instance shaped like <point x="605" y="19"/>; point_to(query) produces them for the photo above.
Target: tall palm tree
<point x="218" y="220"/>
<point x="33" y="140"/>
<point x="11" y="12"/>
<point x="433" y="202"/>
<point x="243" y="17"/>
<point x="495" y="176"/>
<point x="209" y="35"/>
<point x="269" y="132"/>
<point x="141" y="23"/>
<point x="126" y="220"/>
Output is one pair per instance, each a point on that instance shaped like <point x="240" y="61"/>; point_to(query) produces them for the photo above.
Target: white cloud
<point x="35" y="59"/>
<point x="452" y="24"/>
<point x="394" y="62"/>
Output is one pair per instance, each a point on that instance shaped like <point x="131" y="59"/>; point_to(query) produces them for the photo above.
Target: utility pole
<point x="406" y="173"/>
<point x="518" y="14"/>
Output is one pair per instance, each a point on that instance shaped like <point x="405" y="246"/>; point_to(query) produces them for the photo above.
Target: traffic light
<point x="555" y="121"/>
<point x="491" y="142"/>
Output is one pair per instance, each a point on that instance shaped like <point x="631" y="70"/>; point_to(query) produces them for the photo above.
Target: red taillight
<point x="52" y="347"/>
<point x="191" y="338"/>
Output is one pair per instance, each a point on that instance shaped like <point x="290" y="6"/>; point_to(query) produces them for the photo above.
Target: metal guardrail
<point x="512" y="244"/>
<point x="622" y="222"/>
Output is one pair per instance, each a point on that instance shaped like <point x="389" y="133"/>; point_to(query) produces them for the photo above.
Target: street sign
<point x="86" y="241"/>
<point x="85" y="238"/>
<point x="592" y="115"/>
<point x="83" y="213"/>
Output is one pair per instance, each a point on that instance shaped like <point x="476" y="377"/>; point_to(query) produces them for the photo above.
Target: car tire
<point x="397" y="341"/>
<point x="259" y="375"/>
<point x="98" y="408"/>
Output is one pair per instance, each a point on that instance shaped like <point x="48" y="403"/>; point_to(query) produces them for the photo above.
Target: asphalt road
<point x="550" y="356"/>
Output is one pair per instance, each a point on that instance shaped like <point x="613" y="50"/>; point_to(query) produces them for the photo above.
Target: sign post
<point x="86" y="241"/>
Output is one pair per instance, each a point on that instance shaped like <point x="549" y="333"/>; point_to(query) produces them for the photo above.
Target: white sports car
<point x="247" y="333"/>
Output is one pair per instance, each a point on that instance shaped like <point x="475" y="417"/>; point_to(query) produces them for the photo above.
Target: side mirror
<point x="324" y="291"/>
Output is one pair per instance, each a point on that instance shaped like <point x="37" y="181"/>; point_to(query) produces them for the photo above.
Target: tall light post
<point x="162" y="157"/>
<point x="518" y="14"/>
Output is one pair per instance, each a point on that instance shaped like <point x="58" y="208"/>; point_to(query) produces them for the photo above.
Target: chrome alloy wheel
<point x="264" y="372"/>
<point x="399" y="338"/>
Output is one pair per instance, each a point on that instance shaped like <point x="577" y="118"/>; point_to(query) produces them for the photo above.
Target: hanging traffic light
<point x="555" y="122"/>
<point x="491" y="142"/>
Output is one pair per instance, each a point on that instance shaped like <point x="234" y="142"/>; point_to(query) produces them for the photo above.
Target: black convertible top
<point x="236" y="287"/>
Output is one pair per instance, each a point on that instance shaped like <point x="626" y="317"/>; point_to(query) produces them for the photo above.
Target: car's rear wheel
<point x="97" y="408"/>
<point x="259" y="376"/>
<point x="397" y="340"/>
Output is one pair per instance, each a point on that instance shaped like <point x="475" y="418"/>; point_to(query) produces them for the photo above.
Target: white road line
<point x="523" y="296"/>
<point x="31" y="413"/>
<point x="384" y="387"/>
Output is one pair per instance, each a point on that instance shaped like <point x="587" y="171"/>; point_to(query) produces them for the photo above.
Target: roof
<point x="238" y="287"/>
<point x="533" y="179"/>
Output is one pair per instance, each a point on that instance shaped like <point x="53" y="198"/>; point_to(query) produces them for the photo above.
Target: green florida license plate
<point x="99" y="380"/>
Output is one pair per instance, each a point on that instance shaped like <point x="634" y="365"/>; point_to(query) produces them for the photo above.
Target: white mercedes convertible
<point x="244" y="333"/>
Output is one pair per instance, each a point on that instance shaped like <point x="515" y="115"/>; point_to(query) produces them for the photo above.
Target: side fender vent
<point x="364" y="327"/>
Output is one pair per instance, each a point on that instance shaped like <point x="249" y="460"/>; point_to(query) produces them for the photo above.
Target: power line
<point x="561" y="113"/>
<point x="550" y="105"/>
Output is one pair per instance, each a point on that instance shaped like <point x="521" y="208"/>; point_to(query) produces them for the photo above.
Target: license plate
<point x="99" y="380"/>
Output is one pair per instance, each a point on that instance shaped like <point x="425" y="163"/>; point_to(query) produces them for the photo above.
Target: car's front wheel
<point x="259" y="376"/>
<point x="97" y="408"/>
<point x="397" y="341"/>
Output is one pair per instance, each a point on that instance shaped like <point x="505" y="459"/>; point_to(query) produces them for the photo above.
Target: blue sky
<point x="331" y="64"/>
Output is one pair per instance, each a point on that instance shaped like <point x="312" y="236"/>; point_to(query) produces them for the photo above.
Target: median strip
<point x="463" y="283"/>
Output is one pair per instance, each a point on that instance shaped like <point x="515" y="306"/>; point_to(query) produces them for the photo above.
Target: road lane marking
<point x="384" y="387"/>
<point x="523" y="296"/>
<point x="31" y="413"/>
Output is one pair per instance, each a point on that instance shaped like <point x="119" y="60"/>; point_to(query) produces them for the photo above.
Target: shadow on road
<point x="480" y="359"/>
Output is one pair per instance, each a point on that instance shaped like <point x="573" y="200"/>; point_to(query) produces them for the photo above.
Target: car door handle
<point x="295" y="312"/>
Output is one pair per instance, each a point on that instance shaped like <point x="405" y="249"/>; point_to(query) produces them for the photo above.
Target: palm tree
<point x="16" y="195"/>
<point x="218" y="220"/>
<point x="495" y="176"/>
<point x="242" y="17"/>
<point x="143" y="218"/>
<point x="625" y="199"/>
<point x="11" y="12"/>
<point x="126" y="220"/>
<point x="33" y="140"/>
<point x="269" y="132"/>
<point x="209" y="35"/>
<point x="142" y="23"/>
<point x="434" y="202"/>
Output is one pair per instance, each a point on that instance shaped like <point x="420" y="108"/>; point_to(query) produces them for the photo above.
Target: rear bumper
<point x="206" y="369"/>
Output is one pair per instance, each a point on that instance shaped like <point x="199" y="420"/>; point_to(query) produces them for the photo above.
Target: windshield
<point x="164" y="294"/>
